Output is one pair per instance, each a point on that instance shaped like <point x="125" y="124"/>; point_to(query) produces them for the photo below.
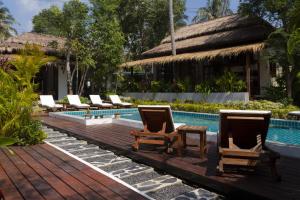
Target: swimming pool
<point x="282" y="131"/>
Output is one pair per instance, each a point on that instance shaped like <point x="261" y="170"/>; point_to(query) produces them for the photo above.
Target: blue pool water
<point x="283" y="131"/>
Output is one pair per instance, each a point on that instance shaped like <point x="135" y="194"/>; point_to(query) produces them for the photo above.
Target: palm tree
<point x="6" y="22"/>
<point x="214" y="9"/>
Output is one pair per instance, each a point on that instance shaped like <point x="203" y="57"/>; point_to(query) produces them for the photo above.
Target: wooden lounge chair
<point x="97" y="101"/>
<point x="116" y="101"/>
<point x="295" y="115"/>
<point x="48" y="102"/>
<point x="158" y="127"/>
<point x="242" y="139"/>
<point x="74" y="101"/>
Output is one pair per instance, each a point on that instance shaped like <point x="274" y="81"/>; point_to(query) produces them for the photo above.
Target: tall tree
<point x="283" y="45"/>
<point x="49" y="21"/>
<point x="214" y="9"/>
<point x="107" y="40"/>
<point x="70" y="22"/>
<point x="146" y="22"/>
<point x="6" y="23"/>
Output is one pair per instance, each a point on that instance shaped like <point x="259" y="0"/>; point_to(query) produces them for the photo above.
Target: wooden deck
<point x="43" y="172"/>
<point x="191" y="168"/>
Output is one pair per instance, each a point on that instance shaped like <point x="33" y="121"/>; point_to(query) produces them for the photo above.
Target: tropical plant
<point x="214" y="9"/>
<point x="146" y="22"/>
<point x="108" y="41"/>
<point x="229" y="82"/>
<point x="49" y="21"/>
<point x="6" y="23"/>
<point x="72" y="23"/>
<point x="17" y="97"/>
<point x="283" y="44"/>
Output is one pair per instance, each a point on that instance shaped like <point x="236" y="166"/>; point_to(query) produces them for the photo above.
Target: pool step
<point x="142" y="177"/>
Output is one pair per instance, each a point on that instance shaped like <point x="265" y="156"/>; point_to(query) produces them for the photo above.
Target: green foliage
<point x="6" y="23"/>
<point x="148" y="23"/>
<point x="107" y="40"/>
<point x="7" y="141"/>
<point x="284" y="43"/>
<point x="49" y="21"/>
<point x="214" y="9"/>
<point x="296" y="89"/>
<point x="155" y="86"/>
<point x="204" y="88"/>
<point x="279" y="110"/>
<point x="229" y="82"/>
<point x="17" y="97"/>
<point x="277" y="93"/>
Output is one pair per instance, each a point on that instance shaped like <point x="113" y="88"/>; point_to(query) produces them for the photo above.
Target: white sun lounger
<point x="48" y="102"/>
<point x="115" y="99"/>
<point x="97" y="101"/>
<point x="74" y="101"/>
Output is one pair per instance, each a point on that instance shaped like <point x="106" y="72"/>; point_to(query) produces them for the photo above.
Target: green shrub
<point x="279" y="110"/>
<point x="155" y="86"/>
<point x="229" y="82"/>
<point x="17" y="97"/>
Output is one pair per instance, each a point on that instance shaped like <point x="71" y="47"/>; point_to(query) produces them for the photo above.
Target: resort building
<point x="205" y="50"/>
<point x="52" y="78"/>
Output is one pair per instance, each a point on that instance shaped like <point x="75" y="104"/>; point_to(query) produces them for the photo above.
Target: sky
<point x="24" y="10"/>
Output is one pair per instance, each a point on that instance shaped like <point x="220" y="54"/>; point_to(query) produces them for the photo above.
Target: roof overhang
<point x="197" y="56"/>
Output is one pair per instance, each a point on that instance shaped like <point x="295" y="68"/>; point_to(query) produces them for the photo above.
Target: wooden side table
<point x="184" y="129"/>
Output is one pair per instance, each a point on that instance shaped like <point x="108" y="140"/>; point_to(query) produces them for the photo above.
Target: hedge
<point x="278" y="110"/>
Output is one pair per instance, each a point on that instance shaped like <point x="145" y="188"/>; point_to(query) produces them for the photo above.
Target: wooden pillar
<point x="248" y="73"/>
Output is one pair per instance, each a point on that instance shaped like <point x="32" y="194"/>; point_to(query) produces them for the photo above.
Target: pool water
<point x="283" y="131"/>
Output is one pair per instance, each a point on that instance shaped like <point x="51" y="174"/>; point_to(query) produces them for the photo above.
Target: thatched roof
<point x="226" y="36"/>
<point x="230" y="51"/>
<point x="223" y="32"/>
<point x="49" y="43"/>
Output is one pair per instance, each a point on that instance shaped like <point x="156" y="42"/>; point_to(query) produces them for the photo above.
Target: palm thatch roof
<point x="224" y="36"/>
<point x="224" y="32"/>
<point x="48" y="43"/>
<point x="224" y="52"/>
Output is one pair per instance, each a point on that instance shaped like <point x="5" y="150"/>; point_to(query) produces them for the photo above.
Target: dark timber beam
<point x="248" y="73"/>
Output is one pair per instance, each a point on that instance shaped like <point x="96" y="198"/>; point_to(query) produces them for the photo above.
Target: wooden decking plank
<point x="23" y="185"/>
<point x="9" y="191"/>
<point x="201" y="171"/>
<point x="38" y="183"/>
<point x="94" y="185"/>
<point x="77" y="186"/>
<point x="63" y="189"/>
<point x="118" y="188"/>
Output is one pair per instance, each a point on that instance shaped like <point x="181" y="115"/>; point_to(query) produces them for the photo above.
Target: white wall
<point x="265" y="77"/>
<point x="62" y="83"/>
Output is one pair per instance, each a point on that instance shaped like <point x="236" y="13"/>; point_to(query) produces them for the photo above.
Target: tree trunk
<point x="289" y="81"/>
<point x="68" y="69"/>
<point x="82" y="81"/>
